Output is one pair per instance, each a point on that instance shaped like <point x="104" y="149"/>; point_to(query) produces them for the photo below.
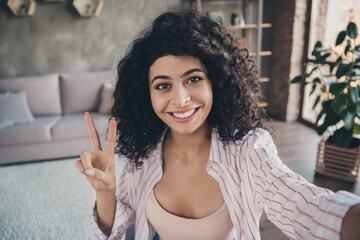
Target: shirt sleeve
<point x="300" y="209"/>
<point x="124" y="214"/>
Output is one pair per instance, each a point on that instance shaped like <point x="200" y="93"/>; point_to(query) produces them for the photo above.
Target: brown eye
<point x="194" y="79"/>
<point x="162" y="86"/>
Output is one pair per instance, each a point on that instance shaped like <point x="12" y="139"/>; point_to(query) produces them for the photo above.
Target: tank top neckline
<point x="219" y="210"/>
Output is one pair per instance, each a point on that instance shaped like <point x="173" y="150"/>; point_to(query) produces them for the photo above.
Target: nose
<point x="181" y="97"/>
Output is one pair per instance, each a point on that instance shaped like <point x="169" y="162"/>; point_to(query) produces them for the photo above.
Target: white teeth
<point x="185" y="114"/>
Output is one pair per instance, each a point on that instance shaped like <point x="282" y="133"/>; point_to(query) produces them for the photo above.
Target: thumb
<point x="99" y="175"/>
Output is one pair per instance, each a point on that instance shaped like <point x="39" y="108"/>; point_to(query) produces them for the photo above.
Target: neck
<point x="189" y="146"/>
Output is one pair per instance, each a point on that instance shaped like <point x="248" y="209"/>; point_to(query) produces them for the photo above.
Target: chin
<point x="186" y="130"/>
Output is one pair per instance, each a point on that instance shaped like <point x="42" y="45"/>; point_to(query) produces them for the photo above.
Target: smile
<point x="184" y="116"/>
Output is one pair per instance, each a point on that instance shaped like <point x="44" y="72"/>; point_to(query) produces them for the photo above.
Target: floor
<point x="297" y="147"/>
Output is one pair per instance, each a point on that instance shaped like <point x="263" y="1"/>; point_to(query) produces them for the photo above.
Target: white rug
<point x="46" y="200"/>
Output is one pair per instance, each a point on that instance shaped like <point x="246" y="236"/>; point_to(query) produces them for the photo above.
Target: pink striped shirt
<point x="252" y="178"/>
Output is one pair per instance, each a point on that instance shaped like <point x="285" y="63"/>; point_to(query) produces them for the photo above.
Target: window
<point x="328" y="18"/>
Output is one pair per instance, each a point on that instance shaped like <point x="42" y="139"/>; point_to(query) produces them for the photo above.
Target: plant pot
<point x="235" y="20"/>
<point x="22" y="10"/>
<point x="338" y="162"/>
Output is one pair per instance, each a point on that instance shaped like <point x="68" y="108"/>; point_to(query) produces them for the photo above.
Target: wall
<point x="288" y="47"/>
<point x="57" y="39"/>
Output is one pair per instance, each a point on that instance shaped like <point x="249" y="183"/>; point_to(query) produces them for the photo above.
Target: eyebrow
<point x="184" y="75"/>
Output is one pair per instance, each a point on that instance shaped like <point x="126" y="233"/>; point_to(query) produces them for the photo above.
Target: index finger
<point x="93" y="134"/>
<point x="110" y="145"/>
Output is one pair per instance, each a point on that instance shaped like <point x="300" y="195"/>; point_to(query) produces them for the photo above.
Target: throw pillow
<point x="106" y="98"/>
<point x="14" y="109"/>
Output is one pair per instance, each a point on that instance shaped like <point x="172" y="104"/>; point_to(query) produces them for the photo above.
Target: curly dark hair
<point x="233" y="75"/>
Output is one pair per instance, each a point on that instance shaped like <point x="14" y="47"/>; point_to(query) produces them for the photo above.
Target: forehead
<point x="175" y="65"/>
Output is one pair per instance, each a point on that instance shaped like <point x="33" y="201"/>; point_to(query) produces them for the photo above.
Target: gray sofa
<point x="57" y="102"/>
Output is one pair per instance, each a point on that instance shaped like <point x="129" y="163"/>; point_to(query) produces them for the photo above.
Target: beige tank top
<point x="216" y="226"/>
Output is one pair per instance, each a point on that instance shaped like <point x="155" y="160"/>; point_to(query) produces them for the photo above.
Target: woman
<point x="200" y="165"/>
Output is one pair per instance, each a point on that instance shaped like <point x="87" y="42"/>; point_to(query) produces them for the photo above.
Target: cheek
<point x="158" y="102"/>
<point x="208" y="95"/>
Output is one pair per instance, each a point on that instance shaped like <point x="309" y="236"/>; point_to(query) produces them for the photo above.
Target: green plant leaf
<point x="351" y="30"/>
<point x="317" y="46"/>
<point x="339" y="103"/>
<point x="347" y="49"/>
<point x="356" y="129"/>
<point x="313" y="89"/>
<point x="297" y="79"/>
<point x="312" y="70"/>
<point x="342" y="70"/>
<point x="317" y="80"/>
<point x="342" y="137"/>
<point x="353" y="93"/>
<point x="340" y="38"/>
<point x="352" y="107"/>
<point x="322" y="58"/>
<point x="319" y="116"/>
<point x="339" y="59"/>
<point x="348" y="118"/>
<point x="326" y="105"/>
<point x="332" y="66"/>
<point x="330" y="120"/>
<point x="316" y="102"/>
<point x="323" y="89"/>
<point x="337" y="87"/>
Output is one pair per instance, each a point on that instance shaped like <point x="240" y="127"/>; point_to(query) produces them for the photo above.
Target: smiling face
<point x="181" y="93"/>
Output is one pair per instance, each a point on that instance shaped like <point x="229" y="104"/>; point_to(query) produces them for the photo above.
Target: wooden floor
<point x="297" y="147"/>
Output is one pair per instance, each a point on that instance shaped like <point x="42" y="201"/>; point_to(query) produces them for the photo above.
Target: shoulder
<point x="255" y="138"/>
<point x="255" y="146"/>
<point x="232" y="152"/>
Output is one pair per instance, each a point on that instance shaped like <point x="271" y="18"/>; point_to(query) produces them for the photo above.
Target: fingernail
<point x="90" y="172"/>
<point x="113" y="118"/>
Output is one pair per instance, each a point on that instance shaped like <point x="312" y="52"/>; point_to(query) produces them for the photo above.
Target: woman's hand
<point x="98" y="166"/>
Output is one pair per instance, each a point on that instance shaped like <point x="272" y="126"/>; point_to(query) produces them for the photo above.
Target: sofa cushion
<point x="42" y="92"/>
<point x="106" y="98"/>
<point x="73" y="126"/>
<point x="81" y="92"/>
<point x="37" y="131"/>
<point x="14" y="109"/>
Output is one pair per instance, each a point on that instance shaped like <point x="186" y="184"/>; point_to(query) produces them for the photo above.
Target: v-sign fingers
<point x="93" y="134"/>
<point x="110" y="145"/>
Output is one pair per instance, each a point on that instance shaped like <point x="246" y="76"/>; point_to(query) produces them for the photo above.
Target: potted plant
<point x="88" y="8"/>
<point x="23" y="8"/>
<point x="338" y="93"/>
<point x="235" y="20"/>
